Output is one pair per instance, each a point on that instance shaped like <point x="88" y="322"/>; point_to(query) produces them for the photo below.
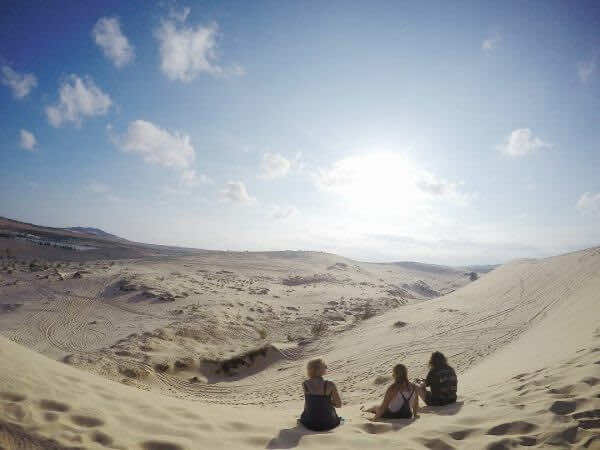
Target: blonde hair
<point x="400" y="374"/>
<point x="316" y="368"/>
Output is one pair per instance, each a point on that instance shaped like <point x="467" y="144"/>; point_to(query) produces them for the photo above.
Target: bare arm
<point x="415" y="404"/>
<point x="334" y="396"/>
<point x="389" y="395"/>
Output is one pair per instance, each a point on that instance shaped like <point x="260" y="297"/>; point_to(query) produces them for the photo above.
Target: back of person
<point x="401" y="399"/>
<point x="319" y="414"/>
<point x="320" y="399"/>
<point x="400" y="405"/>
<point x="443" y="383"/>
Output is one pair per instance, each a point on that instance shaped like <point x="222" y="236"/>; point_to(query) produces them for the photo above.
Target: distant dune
<point x="127" y="346"/>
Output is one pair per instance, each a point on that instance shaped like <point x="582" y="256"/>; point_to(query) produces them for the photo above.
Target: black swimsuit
<point x="405" y="412"/>
<point x="319" y="414"/>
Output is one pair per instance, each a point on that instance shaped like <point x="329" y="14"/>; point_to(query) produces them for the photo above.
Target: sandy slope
<point x="525" y="339"/>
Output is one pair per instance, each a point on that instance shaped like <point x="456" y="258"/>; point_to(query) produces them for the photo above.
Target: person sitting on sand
<point x="321" y="397"/>
<point x="401" y="400"/>
<point x="442" y="381"/>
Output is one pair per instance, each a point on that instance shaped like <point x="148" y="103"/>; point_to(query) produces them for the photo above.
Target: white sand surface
<point x="130" y="355"/>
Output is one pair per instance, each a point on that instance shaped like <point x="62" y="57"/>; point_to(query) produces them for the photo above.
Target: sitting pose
<point x="401" y="400"/>
<point x="320" y="399"/>
<point x="442" y="381"/>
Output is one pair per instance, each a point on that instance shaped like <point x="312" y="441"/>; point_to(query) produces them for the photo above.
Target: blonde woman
<point x="321" y="397"/>
<point x="401" y="400"/>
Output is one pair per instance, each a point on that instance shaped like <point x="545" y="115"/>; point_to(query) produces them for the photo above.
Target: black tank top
<point x="319" y="414"/>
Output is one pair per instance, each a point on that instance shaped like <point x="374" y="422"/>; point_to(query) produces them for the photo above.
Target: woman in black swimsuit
<point x="321" y="397"/>
<point x="401" y="400"/>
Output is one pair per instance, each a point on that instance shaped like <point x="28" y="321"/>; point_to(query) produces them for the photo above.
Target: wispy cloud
<point x="235" y="191"/>
<point x="491" y="42"/>
<point x="274" y="165"/>
<point x="190" y="178"/>
<point x="585" y="69"/>
<point x="521" y="142"/>
<point x="20" y="83"/>
<point x="162" y="147"/>
<point x="187" y="51"/>
<point x="179" y="14"/>
<point x="589" y="203"/>
<point x="78" y="98"/>
<point x="27" y="140"/>
<point x="282" y="212"/>
<point x="114" y="44"/>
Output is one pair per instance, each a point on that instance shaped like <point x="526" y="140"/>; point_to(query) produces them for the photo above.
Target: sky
<point x="441" y="132"/>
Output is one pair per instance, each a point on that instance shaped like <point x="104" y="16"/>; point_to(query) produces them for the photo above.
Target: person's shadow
<point x="446" y="410"/>
<point x="290" y="437"/>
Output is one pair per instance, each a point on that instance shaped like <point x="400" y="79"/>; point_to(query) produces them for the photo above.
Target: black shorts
<point x="430" y="400"/>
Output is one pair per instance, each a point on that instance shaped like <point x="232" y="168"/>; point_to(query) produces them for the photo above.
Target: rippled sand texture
<point x="208" y="351"/>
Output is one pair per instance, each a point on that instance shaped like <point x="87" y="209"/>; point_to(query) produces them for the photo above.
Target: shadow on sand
<point x="447" y="410"/>
<point x="290" y="437"/>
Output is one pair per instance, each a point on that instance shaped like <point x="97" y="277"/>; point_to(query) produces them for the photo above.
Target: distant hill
<point x="432" y="268"/>
<point x="481" y="268"/>
<point x="93" y="232"/>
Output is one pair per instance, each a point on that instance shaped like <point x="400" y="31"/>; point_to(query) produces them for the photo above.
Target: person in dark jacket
<point x="321" y="397"/>
<point x="441" y="380"/>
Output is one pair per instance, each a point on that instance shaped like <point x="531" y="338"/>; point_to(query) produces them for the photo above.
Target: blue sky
<point x="431" y="131"/>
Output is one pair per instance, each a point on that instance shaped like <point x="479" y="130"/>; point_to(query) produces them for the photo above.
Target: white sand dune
<point x="524" y="338"/>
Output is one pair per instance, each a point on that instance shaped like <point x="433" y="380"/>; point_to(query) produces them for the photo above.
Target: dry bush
<point x="381" y="379"/>
<point x="319" y="328"/>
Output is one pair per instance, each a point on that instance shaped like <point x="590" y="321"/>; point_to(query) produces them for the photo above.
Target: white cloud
<point x="114" y="44"/>
<point x="186" y="51"/>
<point x="586" y="68"/>
<point x="274" y="165"/>
<point x="589" y="202"/>
<point x="283" y="212"/>
<point x="491" y="42"/>
<point x="78" y="98"/>
<point x="235" y="191"/>
<point x="21" y="84"/>
<point x="27" y="140"/>
<point x="159" y="146"/>
<point x="521" y="142"/>
<point x="380" y="181"/>
<point x="181" y="14"/>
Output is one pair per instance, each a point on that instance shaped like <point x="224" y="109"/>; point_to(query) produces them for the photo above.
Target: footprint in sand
<point x="461" y="434"/>
<point x="561" y="407"/>
<point x="12" y="397"/>
<point x="517" y="427"/>
<point x="102" y="438"/>
<point x="86" y="421"/>
<point x="160" y="445"/>
<point x="51" y="405"/>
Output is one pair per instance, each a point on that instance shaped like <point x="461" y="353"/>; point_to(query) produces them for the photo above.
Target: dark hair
<point x="400" y="374"/>
<point x="437" y="360"/>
